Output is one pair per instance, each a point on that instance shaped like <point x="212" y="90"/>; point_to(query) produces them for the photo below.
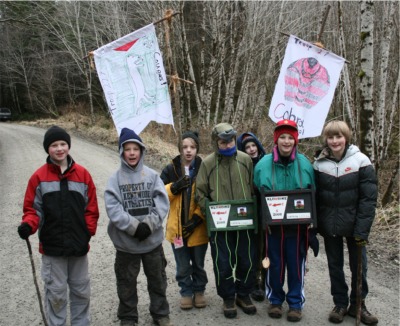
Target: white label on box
<point x="241" y="222"/>
<point x="298" y="216"/>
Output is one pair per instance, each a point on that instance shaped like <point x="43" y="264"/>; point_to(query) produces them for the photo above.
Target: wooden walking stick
<point x="35" y="281"/>
<point x="359" y="285"/>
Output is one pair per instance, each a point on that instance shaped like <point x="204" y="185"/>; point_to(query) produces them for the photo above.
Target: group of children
<point x="60" y="203"/>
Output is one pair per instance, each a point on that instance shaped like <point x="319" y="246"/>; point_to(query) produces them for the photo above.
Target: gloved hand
<point x="142" y="231"/>
<point x="180" y="184"/>
<point x="24" y="231"/>
<point x="313" y="241"/>
<point x="190" y="225"/>
<point x="361" y="242"/>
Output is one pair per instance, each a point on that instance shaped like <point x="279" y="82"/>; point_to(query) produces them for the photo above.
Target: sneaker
<point x="294" y="315"/>
<point x="199" y="300"/>
<point x="258" y="295"/>
<point x="337" y="314"/>
<point x="230" y="310"/>
<point x="366" y="317"/>
<point x="275" y="311"/>
<point x="247" y="306"/>
<point x="186" y="303"/>
<point x="163" y="321"/>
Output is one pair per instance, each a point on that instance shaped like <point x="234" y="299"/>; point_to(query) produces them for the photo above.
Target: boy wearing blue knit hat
<point x="137" y="204"/>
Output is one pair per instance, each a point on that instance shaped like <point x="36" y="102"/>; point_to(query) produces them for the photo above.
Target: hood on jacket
<point x="128" y="135"/>
<point x="246" y="137"/>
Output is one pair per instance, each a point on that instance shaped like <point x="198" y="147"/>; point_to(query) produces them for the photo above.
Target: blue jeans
<point x="335" y="254"/>
<point x="190" y="273"/>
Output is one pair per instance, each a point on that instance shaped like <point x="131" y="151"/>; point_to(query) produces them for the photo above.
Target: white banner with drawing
<point x="305" y="86"/>
<point x="132" y="75"/>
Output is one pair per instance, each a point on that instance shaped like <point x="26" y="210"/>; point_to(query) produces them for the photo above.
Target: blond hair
<point x="336" y="127"/>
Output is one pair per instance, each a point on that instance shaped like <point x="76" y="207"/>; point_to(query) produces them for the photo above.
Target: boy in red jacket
<point x="60" y="201"/>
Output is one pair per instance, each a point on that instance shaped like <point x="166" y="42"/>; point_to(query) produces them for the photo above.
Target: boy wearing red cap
<point x="285" y="169"/>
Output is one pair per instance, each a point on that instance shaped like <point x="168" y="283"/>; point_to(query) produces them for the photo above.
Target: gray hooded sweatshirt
<point x="135" y="195"/>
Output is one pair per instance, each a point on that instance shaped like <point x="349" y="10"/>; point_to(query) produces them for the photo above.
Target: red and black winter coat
<point x="346" y="194"/>
<point x="63" y="207"/>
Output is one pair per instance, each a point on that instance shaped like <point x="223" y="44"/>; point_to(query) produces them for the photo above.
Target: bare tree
<point x="366" y="77"/>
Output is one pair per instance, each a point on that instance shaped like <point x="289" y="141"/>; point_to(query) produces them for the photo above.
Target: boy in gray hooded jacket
<point x="137" y="204"/>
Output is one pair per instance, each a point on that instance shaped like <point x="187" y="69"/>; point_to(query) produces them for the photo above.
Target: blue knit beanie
<point x="128" y="135"/>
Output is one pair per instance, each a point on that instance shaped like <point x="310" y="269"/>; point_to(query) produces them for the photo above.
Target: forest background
<point x="227" y="55"/>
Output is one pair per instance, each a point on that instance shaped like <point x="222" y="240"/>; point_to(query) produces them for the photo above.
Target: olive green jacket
<point x="224" y="178"/>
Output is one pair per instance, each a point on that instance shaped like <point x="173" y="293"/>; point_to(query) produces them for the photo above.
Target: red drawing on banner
<point x="306" y="82"/>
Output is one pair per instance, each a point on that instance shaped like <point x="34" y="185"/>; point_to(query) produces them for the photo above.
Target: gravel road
<point x="21" y="153"/>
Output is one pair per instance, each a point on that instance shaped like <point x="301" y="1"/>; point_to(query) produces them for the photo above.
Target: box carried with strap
<point x="288" y="207"/>
<point x="231" y="215"/>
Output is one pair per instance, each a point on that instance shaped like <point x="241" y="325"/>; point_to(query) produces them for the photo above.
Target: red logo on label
<point x="347" y="169"/>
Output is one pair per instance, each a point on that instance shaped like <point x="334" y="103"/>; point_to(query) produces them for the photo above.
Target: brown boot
<point x="199" y="300"/>
<point x="163" y="321"/>
<point x="337" y="314"/>
<point x="230" y="310"/>
<point x="186" y="303"/>
<point x="294" y="315"/>
<point x="275" y="311"/>
<point x="366" y="317"/>
<point x="247" y="306"/>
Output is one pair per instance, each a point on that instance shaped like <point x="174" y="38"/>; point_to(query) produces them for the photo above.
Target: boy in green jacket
<point x="227" y="174"/>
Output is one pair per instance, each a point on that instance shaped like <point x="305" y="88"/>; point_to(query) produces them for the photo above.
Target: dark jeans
<point x="235" y="263"/>
<point x="190" y="273"/>
<point x="127" y="268"/>
<point x="335" y="254"/>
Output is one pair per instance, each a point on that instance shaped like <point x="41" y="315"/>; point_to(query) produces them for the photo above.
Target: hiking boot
<point x="275" y="311"/>
<point x="337" y="314"/>
<point x="127" y="322"/>
<point x="230" y="310"/>
<point x="163" y="321"/>
<point x="247" y="306"/>
<point x="366" y="317"/>
<point x="199" y="300"/>
<point x="258" y="295"/>
<point x="186" y="303"/>
<point x="294" y="315"/>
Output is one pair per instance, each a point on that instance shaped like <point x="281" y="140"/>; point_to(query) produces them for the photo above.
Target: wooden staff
<point x="359" y="285"/>
<point x="175" y="90"/>
<point x="36" y="283"/>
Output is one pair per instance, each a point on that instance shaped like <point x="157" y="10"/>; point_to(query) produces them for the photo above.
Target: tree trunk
<point x="366" y="75"/>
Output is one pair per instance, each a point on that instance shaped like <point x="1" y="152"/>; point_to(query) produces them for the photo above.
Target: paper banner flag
<point x="305" y="87"/>
<point x="132" y="75"/>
